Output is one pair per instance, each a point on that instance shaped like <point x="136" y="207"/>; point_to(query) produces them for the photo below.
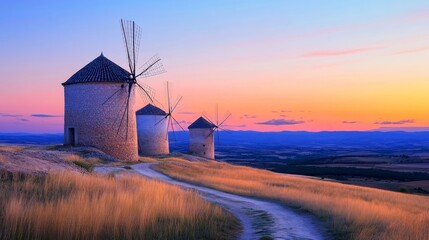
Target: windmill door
<point x="72" y="137"/>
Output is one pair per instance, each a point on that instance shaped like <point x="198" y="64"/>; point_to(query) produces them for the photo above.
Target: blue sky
<point x="253" y="57"/>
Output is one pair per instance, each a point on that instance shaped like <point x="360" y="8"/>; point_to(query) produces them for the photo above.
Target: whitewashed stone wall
<point x="96" y="124"/>
<point x="200" y="143"/>
<point x="152" y="137"/>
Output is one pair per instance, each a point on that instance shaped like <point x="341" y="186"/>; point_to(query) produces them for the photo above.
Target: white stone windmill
<point x="153" y="125"/>
<point x="201" y="135"/>
<point x="100" y="97"/>
<point x="151" y="136"/>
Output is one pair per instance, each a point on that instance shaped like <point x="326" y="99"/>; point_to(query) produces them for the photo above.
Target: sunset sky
<point x="275" y="65"/>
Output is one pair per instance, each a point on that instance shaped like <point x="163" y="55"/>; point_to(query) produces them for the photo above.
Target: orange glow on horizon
<point x="342" y="72"/>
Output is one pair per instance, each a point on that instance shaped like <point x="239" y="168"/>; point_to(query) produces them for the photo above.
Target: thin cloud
<point x="234" y="126"/>
<point x="187" y="113"/>
<point x="396" y="122"/>
<point x="10" y="115"/>
<point x="290" y="111"/>
<point x="40" y="115"/>
<point x="23" y="120"/>
<point x="416" y="15"/>
<point x="280" y="121"/>
<point x="341" y="52"/>
<point x="414" y="50"/>
<point x="186" y="123"/>
<point x="249" y="116"/>
<point x="350" y="122"/>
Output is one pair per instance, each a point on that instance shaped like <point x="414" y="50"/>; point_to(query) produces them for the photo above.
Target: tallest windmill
<point x="131" y="34"/>
<point x="99" y="100"/>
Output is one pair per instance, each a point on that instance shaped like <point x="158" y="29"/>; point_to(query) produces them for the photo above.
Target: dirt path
<point x="258" y="218"/>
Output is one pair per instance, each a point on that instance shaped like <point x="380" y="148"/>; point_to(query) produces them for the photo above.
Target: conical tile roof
<point x="100" y="69"/>
<point x="201" y="123"/>
<point x="150" y="110"/>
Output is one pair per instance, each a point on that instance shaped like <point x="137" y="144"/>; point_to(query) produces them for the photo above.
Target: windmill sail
<point x="131" y="34"/>
<point x="169" y="114"/>
<point x="216" y="124"/>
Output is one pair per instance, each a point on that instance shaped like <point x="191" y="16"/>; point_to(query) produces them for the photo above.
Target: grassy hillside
<point x="352" y="212"/>
<point x="87" y="206"/>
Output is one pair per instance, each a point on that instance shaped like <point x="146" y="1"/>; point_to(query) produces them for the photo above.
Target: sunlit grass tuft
<point x="84" y="206"/>
<point x="148" y="160"/>
<point x="10" y="148"/>
<point x="352" y="212"/>
<point x="72" y="157"/>
<point x="86" y="163"/>
<point x="2" y="159"/>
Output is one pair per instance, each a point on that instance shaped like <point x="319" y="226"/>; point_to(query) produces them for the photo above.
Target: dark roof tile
<point x="201" y="123"/>
<point x="150" y="110"/>
<point x="100" y="69"/>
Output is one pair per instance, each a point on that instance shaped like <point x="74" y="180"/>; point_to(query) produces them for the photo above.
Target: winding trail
<point x="257" y="217"/>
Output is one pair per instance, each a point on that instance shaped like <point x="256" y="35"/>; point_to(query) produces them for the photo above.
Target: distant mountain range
<point x="403" y="129"/>
<point x="296" y="139"/>
<point x="31" y="138"/>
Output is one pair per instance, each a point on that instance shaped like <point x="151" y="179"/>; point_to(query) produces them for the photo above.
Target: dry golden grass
<point x="84" y="206"/>
<point x="10" y="148"/>
<point x="72" y="157"/>
<point x="147" y="160"/>
<point x="352" y="212"/>
<point x="86" y="163"/>
<point x="2" y="158"/>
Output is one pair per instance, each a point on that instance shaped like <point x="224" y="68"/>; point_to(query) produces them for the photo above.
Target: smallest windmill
<point x="201" y="135"/>
<point x="201" y="140"/>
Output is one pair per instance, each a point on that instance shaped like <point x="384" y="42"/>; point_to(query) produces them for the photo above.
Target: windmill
<point x="169" y="114"/>
<point x="217" y="124"/>
<point x="201" y="135"/>
<point x="131" y="34"/>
